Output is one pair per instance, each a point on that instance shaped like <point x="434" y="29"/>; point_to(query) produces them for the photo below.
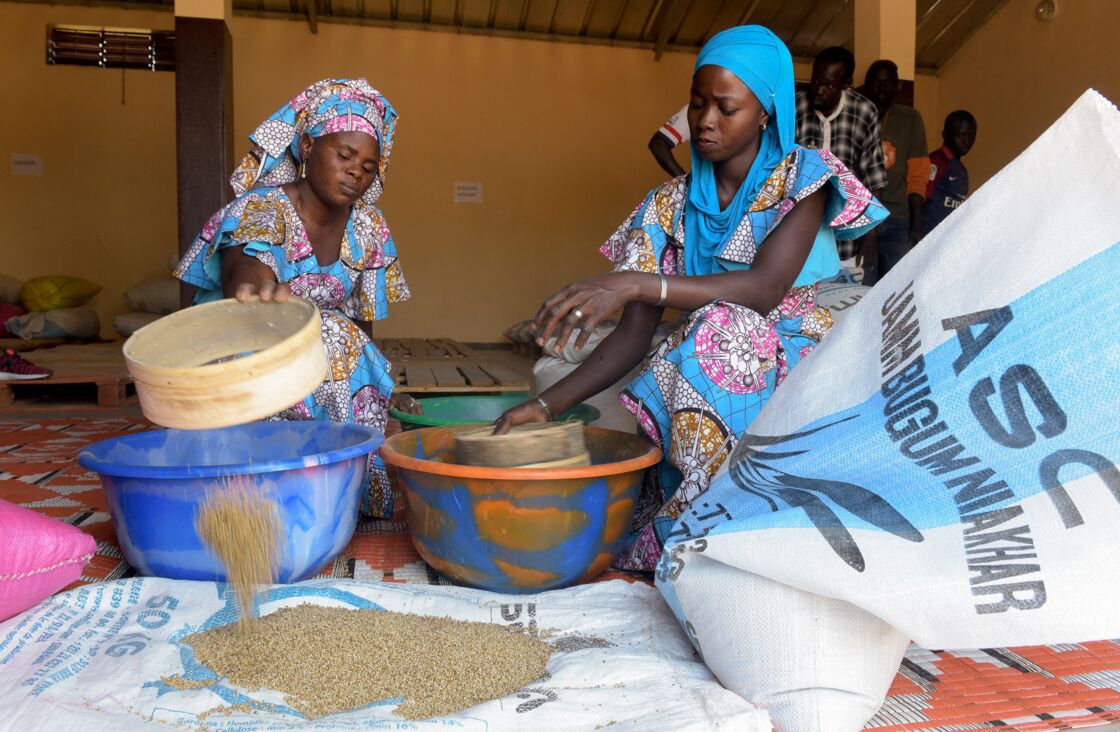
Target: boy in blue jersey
<point x="948" y="178"/>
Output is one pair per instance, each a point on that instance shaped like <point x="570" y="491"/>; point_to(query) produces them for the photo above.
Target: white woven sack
<point x="945" y="461"/>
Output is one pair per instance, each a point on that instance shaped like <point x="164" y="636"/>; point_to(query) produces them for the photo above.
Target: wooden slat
<point x="101" y="365"/>
<point x="91" y="363"/>
<point x="415" y="375"/>
<point x="502" y="375"/>
<point x="435" y="349"/>
<point x="476" y="376"/>
<point x="499" y="388"/>
<point x="30" y="344"/>
<point x="448" y="375"/>
<point x="454" y="349"/>
<point x="415" y="347"/>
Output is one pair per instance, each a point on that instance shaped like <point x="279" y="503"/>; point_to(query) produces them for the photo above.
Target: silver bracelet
<point x="664" y="289"/>
<point x="547" y="409"/>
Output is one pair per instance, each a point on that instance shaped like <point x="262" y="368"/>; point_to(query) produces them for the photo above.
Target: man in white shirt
<point x="672" y="133"/>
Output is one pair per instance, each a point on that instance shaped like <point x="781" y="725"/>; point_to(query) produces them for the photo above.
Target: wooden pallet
<point x="466" y="375"/>
<point x="97" y="364"/>
<point x="29" y="344"/>
<point x="442" y="365"/>
<point x="402" y="349"/>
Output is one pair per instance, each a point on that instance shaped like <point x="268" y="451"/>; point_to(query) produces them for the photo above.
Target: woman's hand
<point x="530" y="411"/>
<point x="267" y="290"/>
<point x="584" y="305"/>
<point x="406" y="404"/>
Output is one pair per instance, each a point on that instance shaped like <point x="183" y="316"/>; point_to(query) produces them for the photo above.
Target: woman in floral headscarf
<point x="305" y="223"/>
<point x="739" y="245"/>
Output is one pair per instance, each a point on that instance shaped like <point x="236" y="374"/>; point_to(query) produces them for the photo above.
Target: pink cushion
<point x="38" y="557"/>
<point x="8" y="311"/>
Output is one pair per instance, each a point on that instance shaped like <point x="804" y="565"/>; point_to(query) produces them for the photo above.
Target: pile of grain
<point x="242" y="528"/>
<point x="328" y="660"/>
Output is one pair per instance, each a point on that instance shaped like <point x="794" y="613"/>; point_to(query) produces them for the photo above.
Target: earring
<point x="303" y="169"/>
<point x="762" y="127"/>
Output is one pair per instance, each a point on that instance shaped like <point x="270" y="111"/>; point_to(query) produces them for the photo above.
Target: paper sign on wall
<point x="468" y="192"/>
<point x="23" y="164"/>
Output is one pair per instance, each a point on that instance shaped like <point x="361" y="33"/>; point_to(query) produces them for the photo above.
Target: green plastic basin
<point x="453" y="410"/>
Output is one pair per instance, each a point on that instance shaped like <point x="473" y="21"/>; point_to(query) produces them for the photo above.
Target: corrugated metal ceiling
<point x="807" y="26"/>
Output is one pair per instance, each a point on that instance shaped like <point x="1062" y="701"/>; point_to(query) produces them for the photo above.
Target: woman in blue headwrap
<point x="305" y="223"/>
<point x="739" y="245"/>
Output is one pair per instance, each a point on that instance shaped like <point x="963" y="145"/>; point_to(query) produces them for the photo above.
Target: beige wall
<point x="1017" y="75"/>
<point x="104" y="208"/>
<point x="925" y="101"/>
<point x="556" y="133"/>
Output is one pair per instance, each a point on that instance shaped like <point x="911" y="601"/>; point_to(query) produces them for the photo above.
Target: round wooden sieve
<point x="226" y="362"/>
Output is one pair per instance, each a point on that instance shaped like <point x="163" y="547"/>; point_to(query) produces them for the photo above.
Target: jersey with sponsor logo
<point x="947" y="187"/>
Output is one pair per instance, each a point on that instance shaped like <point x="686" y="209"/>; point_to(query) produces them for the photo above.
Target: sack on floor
<point x="38" y="557"/>
<point x="944" y="464"/>
<point x="159" y="295"/>
<point x="126" y="324"/>
<point x="65" y="323"/>
<point x="620" y="661"/>
<point x="56" y="292"/>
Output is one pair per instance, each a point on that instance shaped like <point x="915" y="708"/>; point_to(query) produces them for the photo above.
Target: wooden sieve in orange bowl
<point x="226" y="362"/>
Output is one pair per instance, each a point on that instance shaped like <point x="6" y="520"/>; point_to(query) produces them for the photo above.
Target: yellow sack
<point x="56" y="291"/>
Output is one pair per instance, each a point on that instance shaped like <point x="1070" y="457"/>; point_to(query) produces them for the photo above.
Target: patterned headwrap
<point x="324" y="108"/>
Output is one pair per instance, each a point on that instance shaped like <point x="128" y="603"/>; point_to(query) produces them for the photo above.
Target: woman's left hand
<point x="405" y="403"/>
<point x="583" y="305"/>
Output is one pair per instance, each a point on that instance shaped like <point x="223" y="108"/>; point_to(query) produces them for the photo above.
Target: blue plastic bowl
<point x="156" y="481"/>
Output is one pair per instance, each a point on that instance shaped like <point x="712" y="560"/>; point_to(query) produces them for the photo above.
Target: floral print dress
<point x="705" y="383"/>
<point x="358" y="286"/>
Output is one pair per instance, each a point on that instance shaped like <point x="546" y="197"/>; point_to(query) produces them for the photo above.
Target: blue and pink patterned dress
<point x="359" y="285"/>
<point x="706" y="382"/>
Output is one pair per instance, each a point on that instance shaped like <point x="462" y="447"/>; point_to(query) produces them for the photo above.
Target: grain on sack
<point x="327" y="660"/>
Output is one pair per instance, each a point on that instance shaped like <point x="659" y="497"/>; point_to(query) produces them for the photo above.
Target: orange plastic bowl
<point x="518" y="529"/>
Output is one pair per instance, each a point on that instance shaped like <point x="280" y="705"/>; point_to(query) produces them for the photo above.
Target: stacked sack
<point x="149" y="301"/>
<point x="48" y="307"/>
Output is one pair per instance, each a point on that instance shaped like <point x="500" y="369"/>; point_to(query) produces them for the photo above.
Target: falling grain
<point x="242" y="528"/>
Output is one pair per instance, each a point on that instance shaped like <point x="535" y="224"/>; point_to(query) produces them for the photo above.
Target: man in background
<point x="905" y="156"/>
<point x="672" y="133"/>
<point x="948" y="178"/>
<point x="831" y="116"/>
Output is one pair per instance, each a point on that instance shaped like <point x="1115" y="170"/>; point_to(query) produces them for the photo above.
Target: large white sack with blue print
<point x="93" y="660"/>
<point x="943" y="467"/>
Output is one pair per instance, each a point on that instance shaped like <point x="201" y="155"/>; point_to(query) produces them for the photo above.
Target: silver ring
<point x="578" y="313"/>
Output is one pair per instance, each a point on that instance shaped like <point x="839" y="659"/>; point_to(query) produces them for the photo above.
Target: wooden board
<point x="443" y="365"/>
<point x="427" y="376"/>
<point x="97" y="364"/>
<point x="29" y="344"/>
<point x="419" y="376"/>
<point x="476" y="377"/>
<point x="422" y="348"/>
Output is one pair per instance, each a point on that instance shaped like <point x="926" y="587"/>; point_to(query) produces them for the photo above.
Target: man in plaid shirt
<point x="833" y="117"/>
